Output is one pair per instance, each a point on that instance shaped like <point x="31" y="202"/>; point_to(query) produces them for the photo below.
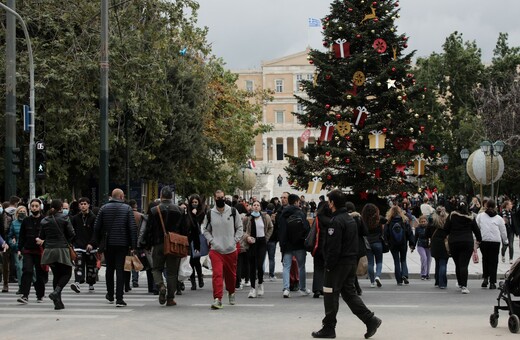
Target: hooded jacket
<point x="492" y="227"/>
<point x="460" y="228"/>
<point x="224" y="231"/>
<point x="285" y="244"/>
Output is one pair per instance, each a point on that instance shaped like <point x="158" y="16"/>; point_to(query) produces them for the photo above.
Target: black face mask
<point x="220" y="203"/>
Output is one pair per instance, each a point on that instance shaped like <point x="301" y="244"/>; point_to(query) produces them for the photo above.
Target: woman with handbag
<point x="437" y="235"/>
<point x="56" y="234"/>
<point x="371" y="219"/>
<point x="196" y="212"/>
<point x="460" y="228"/>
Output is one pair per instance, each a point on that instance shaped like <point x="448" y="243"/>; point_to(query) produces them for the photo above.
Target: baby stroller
<point x="508" y="288"/>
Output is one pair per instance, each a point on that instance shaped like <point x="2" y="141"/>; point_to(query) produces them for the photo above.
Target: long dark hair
<point x="370" y="216"/>
<point x="56" y="206"/>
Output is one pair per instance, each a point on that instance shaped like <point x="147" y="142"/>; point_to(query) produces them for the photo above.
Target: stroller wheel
<point x="493" y="320"/>
<point x="513" y="323"/>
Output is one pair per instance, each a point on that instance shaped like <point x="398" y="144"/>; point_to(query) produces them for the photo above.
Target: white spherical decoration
<point x="478" y="167"/>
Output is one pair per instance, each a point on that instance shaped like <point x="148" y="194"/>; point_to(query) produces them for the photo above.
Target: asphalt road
<point x="416" y="311"/>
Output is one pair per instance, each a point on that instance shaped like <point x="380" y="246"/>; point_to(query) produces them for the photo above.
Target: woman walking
<point x="258" y="228"/>
<point x="460" y="228"/>
<point x="14" y="236"/>
<point x="371" y="219"/>
<point x="398" y="233"/>
<point x="196" y="212"/>
<point x="56" y="234"/>
<point x="493" y="230"/>
<point x="423" y="247"/>
<point x="437" y="235"/>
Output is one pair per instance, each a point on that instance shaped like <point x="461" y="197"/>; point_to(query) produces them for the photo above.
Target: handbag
<point x="203" y="251"/>
<point x="174" y="244"/>
<point x="312" y="239"/>
<point x="362" y="267"/>
<point x="72" y="253"/>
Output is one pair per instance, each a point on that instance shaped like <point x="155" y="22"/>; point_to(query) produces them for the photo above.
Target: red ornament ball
<point x="405" y="45"/>
<point x="374" y="3"/>
<point x="421" y="128"/>
<point x="347" y="138"/>
<point x="327" y="106"/>
<point x="329" y="177"/>
<point x="432" y="147"/>
<point x="290" y="182"/>
<point x="325" y="44"/>
<point x="409" y="163"/>
<point x="445" y="167"/>
<point x="350" y="9"/>
<point x="328" y="76"/>
<point x="347" y="160"/>
<point x="376" y="19"/>
<point x="327" y="153"/>
<point x="405" y="38"/>
<point x="311" y="62"/>
<point x="358" y="36"/>
<point x="385" y="130"/>
<point x="393" y="69"/>
<point x="338" y="116"/>
<point x="396" y="4"/>
<point x="425" y="89"/>
<point x="309" y="124"/>
<point x="327" y="19"/>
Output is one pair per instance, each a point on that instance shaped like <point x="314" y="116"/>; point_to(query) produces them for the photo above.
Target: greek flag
<point x="313" y="22"/>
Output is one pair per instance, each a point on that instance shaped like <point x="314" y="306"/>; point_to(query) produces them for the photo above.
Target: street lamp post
<point x="32" y="185"/>
<point x="492" y="149"/>
<point x="445" y="159"/>
<point x="464" y="155"/>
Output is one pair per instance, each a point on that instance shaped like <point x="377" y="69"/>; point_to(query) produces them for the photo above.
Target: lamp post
<point x="492" y="149"/>
<point x="445" y="159"/>
<point x="32" y="185"/>
<point x="464" y="155"/>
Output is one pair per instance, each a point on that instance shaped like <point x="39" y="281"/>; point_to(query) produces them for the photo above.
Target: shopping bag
<point x="475" y="256"/>
<point x="184" y="269"/>
<point x="362" y="267"/>
<point x="136" y="264"/>
<point x="128" y="263"/>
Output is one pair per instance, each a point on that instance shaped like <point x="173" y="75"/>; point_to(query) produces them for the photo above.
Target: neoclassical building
<point x="283" y="77"/>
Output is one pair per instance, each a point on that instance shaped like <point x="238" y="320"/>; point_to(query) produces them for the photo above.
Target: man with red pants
<point x="223" y="230"/>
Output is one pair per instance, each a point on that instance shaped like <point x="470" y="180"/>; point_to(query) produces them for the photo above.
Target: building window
<point x="279" y="117"/>
<point x="278" y="86"/>
<point x="299" y="109"/>
<point x="249" y="85"/>
<point x="310" y="76"/>
<point x="299" y="78"/>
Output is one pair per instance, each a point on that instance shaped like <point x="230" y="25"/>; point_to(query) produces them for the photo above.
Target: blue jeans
<point x="271" y="250"/>
<point x="400" y="267"/>
<point x="301" y="256"/>
<point x="375" y="252"/>
<point x="441" y="279"/>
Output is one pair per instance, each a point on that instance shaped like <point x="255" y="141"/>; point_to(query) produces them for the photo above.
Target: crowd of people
<point x="240" y="238"/>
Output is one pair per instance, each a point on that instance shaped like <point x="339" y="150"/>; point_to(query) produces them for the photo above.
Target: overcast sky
<point x="246" y="32"/>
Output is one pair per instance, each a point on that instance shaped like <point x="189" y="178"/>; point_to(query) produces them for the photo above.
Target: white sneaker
<point x="252" y="293"/>
<point x="372" y="285"/>
<point x="247" y="284"/>
<point x="91" y="288"/>
<point x="378" y="282"/>
<point x="272" y="278"/>
<point x="286" y="293"/>
<point x="305" y="292"/>
<point x="260" y="289"/>
<point x="75" y="287"/>
<point x="464" y="290"/>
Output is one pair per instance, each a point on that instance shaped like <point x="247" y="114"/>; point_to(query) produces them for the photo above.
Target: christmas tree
<point x="372" y="139"/>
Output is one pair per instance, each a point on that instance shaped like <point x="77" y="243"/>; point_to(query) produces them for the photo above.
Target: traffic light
<point x="41" y="167"/>
<point x="15" y="160"/>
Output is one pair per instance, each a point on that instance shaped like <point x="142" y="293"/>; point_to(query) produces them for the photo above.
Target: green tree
<point x="366" y="69"/>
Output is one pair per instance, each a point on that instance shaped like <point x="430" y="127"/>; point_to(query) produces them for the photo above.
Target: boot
<point x="201" y="281"/>
<point x="192" y="280"/>
<point x="55" y="296"/>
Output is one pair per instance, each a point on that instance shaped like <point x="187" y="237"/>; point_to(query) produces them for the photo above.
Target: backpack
<point x="397" y="233"/>
<point x="295" y="229"/>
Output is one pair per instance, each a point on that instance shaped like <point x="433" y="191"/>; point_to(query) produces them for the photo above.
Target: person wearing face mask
<point x="32" y="253"/>
<point x="195" y="213"/>
<point x="66" y="209"/>
<point x="223" y="230"/>
<point x="14" y="233"/>
<point x="258" y="229"/>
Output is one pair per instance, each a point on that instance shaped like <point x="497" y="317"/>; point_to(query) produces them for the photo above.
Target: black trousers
<point x="461" y="253"/>
<point x="511" y="240"/>
<point x="242" y="268"/>
<point x="61" y="274"/>
<point x="490" y="251"/>
<point x="31" y="263"/>
<point x="85" y="269"/>
<point x="196" y="267"/>
<point x="319" y="272"/>
<point x="115" y="262"/>
<point x="256" y="257"/>
<point x="341" y="280"/>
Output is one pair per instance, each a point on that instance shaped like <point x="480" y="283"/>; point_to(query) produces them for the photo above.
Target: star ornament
<point x="391" y="83"/>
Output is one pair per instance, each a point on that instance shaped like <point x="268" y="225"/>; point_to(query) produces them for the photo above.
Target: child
<point x="423" y="247"/>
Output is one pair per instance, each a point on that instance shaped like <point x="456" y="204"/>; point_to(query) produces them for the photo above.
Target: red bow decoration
<point x="363" y="195"/>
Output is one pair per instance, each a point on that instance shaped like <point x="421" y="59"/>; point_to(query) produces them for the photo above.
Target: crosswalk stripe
<point x="45" y="308"/>
<point x="57" y="315"/>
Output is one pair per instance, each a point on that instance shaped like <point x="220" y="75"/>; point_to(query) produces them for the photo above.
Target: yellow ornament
<point x="343" y="128"/>
<point x="359" y="78"/>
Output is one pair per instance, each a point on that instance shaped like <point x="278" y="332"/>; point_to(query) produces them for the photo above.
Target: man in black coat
<point x="341" y="257"/>
<point x="115" y="221"/>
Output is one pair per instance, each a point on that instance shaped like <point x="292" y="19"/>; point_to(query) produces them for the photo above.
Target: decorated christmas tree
<point x="372" y="138"/>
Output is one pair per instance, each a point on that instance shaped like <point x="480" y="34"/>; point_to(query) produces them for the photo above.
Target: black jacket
<point x="362" y="232"/>
<point x="57" y="231"/>
<point x="341" y="243"/>
<point x="174" y="221"/>
<point x="84" y="227"/>
<point x="29" y="231"/>
<point x="116" y="218"/>
<point x="461" y="228"/>
<point x="285" y="244"/>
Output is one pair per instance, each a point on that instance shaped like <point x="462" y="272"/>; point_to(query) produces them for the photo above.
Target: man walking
<point x="14" y="201"/>
<point x="170" y="217"/>
<point x="115" y="220"/>
<point x="341" y="253"/>
<point x="85" y="269"/>
<point x="223" y="229"/>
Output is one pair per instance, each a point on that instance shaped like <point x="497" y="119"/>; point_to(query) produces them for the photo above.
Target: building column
<point x="284" y="145"/>
<point x="264" y="149"/>
<point x="295" y="146"/>
<point x="305" y="144"/>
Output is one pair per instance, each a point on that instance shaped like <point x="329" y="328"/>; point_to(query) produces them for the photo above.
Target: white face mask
<point x="1" y="210"/>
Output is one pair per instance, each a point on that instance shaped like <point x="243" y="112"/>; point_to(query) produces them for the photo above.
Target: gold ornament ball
<point x="364" y="60"/>
<point x="438" y="155"/>
<point x="416" y="115"/>
<point x="360" y="137"/>
<point x="420" y="189"/>
<point x="392" y="29"/>
<point x="422" y="155"/>
<point x="389" y="115"/>
<point x="340" y="28"/>
<point x="429" y="117"/>
<point x="373" y="31"/>
<point x="399" y="98"/>
<point x="378" y="84"/>
<point x="393" y="161"/>
<point x="336" y="159"/>
<point x="398" y="15"/>
<point x="336" y="138"/>
<point x="411" y="129"/>
<point x="349" y="97"/>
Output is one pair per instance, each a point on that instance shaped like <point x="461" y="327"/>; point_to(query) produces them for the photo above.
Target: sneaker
<point x="372" y="285"/>
<point x="503" y="259"/>
<point x="260" y="289"/>
<point x="372" y="326"/>
<point x="286" y="293"/>
<point x="305" y="292"/>
<point x="162" y="295"/>
<point x="247" y="284"/>
<point x="405" y="280"/>
<point x="272" y="278"/>
<point x="316" y="295"/>
<point x="91" y="288"/>
<point x="240" y="287"/>
<point x="75" y="287"/>
<point x="217" y="304"/>
<point x="135" y="284"/>
<point x="423" y="278"/>
<point x="252" y="293"/>
<point x="23" y="299"/>
<point x="120" y="303"/>
<point x="232" y="300"/>
<point x="464" y="290"/>
<point x="378" y="282"/>
<point x="39" y="300"/>
<point x="109" y="298"/>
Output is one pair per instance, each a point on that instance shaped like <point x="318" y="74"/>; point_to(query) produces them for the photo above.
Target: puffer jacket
<point x="57" y="231"/>
<point x="492" y="227"/>
<point x="116" y="218"/>
<point x="460" y="228"/>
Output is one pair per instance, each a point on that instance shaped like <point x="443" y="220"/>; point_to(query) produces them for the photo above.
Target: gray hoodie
<point x="224" y="231"/>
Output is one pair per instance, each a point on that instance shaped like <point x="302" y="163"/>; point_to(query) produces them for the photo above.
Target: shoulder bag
<point x="72" y="252"/>
<point x="174" y="244"/>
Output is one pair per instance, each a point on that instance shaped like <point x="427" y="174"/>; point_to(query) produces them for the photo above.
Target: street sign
<point x="26" y="118"/>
